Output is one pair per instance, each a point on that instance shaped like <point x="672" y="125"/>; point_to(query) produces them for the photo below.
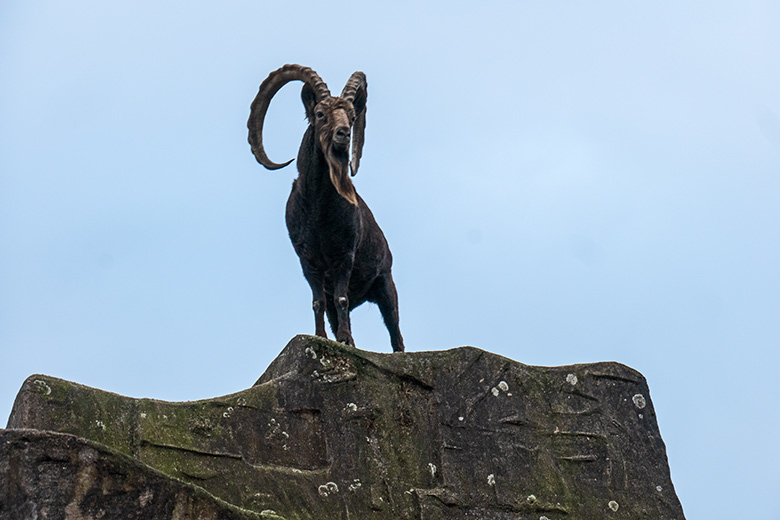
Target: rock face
<point x="332" y="432"/>
<point x="51" y="475"/>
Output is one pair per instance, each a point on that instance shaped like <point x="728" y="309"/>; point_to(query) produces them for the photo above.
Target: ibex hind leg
<point x="385" y="296"/>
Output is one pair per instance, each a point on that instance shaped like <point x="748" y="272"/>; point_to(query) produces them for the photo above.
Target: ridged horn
<point x="268" y="88"/>
<point x="357" y="87"/>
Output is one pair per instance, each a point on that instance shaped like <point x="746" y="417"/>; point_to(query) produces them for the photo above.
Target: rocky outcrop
<point x="333" y="432"/>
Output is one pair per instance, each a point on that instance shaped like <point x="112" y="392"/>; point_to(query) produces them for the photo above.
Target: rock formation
<point x="333" y="432"/>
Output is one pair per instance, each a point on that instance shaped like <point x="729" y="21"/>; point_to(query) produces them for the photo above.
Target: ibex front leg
<point x="318" y="299"/>
<point x="341" y="302"/>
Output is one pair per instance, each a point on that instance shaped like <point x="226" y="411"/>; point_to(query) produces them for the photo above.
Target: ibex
<point x="343" y="253"/>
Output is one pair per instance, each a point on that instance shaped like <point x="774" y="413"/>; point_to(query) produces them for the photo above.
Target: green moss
<point x="55" y="404"/>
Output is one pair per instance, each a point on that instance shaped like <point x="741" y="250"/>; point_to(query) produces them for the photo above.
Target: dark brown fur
<point x="343" y="252"/>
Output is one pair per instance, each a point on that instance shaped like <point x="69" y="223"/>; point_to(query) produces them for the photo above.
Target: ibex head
<point x="336" y="121"/>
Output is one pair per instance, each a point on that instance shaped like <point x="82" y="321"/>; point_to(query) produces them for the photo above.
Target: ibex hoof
<point x="347" y="340"/>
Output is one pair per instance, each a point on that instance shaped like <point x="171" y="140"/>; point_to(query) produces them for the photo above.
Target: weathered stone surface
<point x="332" y="432"/>
<point x="55" y="476"/>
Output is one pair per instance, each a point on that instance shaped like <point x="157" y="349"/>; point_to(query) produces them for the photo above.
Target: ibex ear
<point x="309" y="101"/>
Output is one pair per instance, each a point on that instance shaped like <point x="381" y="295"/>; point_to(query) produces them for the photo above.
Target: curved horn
<point x="356" y="91"/>
<point x="356" y="82"/>
<point x="270" y="86"/>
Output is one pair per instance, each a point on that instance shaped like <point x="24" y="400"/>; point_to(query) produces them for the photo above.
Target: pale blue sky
<point x="560" y="183"/>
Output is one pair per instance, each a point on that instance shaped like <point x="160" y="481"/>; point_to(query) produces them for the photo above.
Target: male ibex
<point x="344" y="254"/>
